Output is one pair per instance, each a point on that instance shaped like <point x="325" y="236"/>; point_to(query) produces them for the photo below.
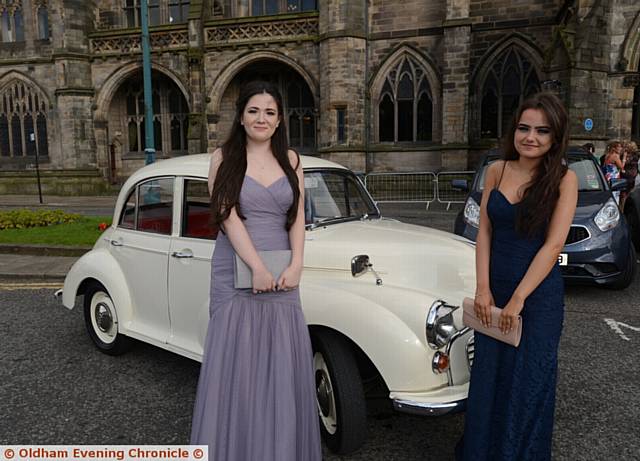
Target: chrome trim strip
<point x="471" y="345"/>
<point x="428" y="409"/>
<point x="454" y="337"/>
<point x="579" y="241"/>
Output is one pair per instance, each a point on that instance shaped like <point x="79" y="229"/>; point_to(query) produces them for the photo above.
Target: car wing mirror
<point x="460" y="185"/>
<point x="360" y="265"/>
<point x="619" y="184"/>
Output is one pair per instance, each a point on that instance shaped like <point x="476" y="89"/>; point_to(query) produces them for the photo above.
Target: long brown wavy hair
<point x="232" y="170"/>
<point x="542" y="192"/>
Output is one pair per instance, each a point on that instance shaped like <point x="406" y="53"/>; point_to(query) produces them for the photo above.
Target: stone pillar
<point x="71" y="22"/>
<point x="197" y="121"/>
<point x="455" y="85"/>
<point x="342" y="81"/>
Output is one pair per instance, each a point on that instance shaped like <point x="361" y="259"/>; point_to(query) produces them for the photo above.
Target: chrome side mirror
<point x="360" y="265"/>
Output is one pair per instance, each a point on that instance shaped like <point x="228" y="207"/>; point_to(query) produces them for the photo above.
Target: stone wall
<point x="342" y="52"/>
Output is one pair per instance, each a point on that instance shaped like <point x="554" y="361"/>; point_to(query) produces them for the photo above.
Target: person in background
<point x="527" y="207"/>
<point x="589" y="147"/>
<point x="630" y="170"/>
<point x="614" y="164"/>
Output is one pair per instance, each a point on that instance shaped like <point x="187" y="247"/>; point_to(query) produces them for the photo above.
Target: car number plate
<point x="563" y="259"/>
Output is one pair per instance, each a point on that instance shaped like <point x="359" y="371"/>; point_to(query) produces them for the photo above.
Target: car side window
<point x="128" y="216"/>
<point x="196" y="211"/>
<point x="155" y="206"/>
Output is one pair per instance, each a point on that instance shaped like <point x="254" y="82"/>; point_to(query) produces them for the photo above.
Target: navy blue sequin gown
<point x="512" y="391"/>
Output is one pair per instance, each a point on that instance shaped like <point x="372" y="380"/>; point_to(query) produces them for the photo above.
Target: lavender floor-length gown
<point x="256" y="394"/>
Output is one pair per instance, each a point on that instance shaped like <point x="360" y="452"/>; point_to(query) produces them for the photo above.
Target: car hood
<point x="405" y="255"/>
<point x="589" y="203"/>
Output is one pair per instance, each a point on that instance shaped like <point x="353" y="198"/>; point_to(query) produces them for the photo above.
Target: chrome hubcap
<point x="104" y="319"/>
<point x="323" y="392"/>
<point x="324" y="395"/>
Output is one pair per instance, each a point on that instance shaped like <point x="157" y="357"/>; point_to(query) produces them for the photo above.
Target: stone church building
<point x="377" y="85"/>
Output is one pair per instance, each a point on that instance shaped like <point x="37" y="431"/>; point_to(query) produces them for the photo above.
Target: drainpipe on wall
<point x="149" y="150"/>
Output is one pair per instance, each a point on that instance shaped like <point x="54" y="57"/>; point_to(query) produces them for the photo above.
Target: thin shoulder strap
<point x="504" y="164"/>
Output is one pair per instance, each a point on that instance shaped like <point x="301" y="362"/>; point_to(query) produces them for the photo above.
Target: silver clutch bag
<point x="276" y="262"/>
<point x="470" y="320"/>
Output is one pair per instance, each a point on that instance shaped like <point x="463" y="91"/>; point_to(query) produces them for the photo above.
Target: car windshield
<point x="589" y="179"/>
<point x="333" y="196"/>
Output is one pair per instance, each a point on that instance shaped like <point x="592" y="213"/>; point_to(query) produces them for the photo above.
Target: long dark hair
<point x="231" y="172"/>
<point x="542" y="193"/>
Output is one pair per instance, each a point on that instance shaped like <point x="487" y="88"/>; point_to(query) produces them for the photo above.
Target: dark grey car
<point x="598" y="248"/>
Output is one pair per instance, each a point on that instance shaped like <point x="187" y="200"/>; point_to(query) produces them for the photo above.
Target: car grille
<point x="577" y="234"/>
<point x="470" y="351"/>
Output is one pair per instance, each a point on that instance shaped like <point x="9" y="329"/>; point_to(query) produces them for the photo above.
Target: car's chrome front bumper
<point x="429" y="409"/>
<point x="448" y="399"/>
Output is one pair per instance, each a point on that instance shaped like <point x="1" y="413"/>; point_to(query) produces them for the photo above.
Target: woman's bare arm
<point x="484" y="298"/>
<point x="290" y="278"/>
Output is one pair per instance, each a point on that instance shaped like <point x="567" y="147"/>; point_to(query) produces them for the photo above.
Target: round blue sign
<point x="588" y="124"/>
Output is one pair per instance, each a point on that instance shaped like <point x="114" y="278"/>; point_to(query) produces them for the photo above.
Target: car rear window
<point x="196" y="214"/>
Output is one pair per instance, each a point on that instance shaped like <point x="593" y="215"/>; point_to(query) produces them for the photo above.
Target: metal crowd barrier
<point x="414" y="187"/>
<point x="446" y="193"/>
<point x="417" y="187"/>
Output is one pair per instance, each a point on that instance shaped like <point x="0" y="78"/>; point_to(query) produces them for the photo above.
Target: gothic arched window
<point x="170" y="116"/>
<point x="159" y="12"/>
<point x="510" y="80"/>
<point x="300" y="115"/>
<point x="406" y="106"/>
<point x="23" y="121"/>
<point x="43" y="22"/>
<point x="266" y="7"/>
<point x="11" y="22"/>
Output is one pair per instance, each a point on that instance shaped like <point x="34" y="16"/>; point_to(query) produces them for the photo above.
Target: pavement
<point x="49" y="263"/>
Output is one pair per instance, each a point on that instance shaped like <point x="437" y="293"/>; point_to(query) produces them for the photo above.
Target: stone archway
<point x="109" y="138"/>
<point x="630" y="59"/>
<point x="298" y="90"/>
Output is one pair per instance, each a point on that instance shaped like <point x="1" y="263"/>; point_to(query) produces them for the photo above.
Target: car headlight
<point x="472" y="213"/>
<point x="440" y="327"/>
<point x="608" y="216"/>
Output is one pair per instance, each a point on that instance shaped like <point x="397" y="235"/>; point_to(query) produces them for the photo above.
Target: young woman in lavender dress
<point x="527" y="207"/>
<point x="256" y="394"/>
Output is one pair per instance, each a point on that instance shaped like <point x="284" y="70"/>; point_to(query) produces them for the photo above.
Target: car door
<point x="190" y="268"/>
<point x="141" y="245"/>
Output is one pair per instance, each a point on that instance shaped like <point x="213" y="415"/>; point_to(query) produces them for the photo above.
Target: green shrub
<point x="22" y="219"/>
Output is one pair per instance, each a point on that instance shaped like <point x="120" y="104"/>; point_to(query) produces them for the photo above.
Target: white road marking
<point x="616" y="326"/>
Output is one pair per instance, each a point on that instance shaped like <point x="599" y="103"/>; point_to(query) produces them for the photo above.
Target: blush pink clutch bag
<point x="470" y="320"/>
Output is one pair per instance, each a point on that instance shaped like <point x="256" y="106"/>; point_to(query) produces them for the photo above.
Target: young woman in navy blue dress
<point x="527" y="207"/>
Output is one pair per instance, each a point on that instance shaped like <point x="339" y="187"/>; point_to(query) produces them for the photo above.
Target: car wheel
<point x="629" y="272"/>
<point x="101" y="320"/>
<point x="339" y="393"/>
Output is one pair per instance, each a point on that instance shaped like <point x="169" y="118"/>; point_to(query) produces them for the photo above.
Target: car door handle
<point x="115" y="243"/>
<point x="182" y="254"/>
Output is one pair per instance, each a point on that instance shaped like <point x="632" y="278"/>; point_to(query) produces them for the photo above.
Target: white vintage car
<point x="379" y="296"/>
